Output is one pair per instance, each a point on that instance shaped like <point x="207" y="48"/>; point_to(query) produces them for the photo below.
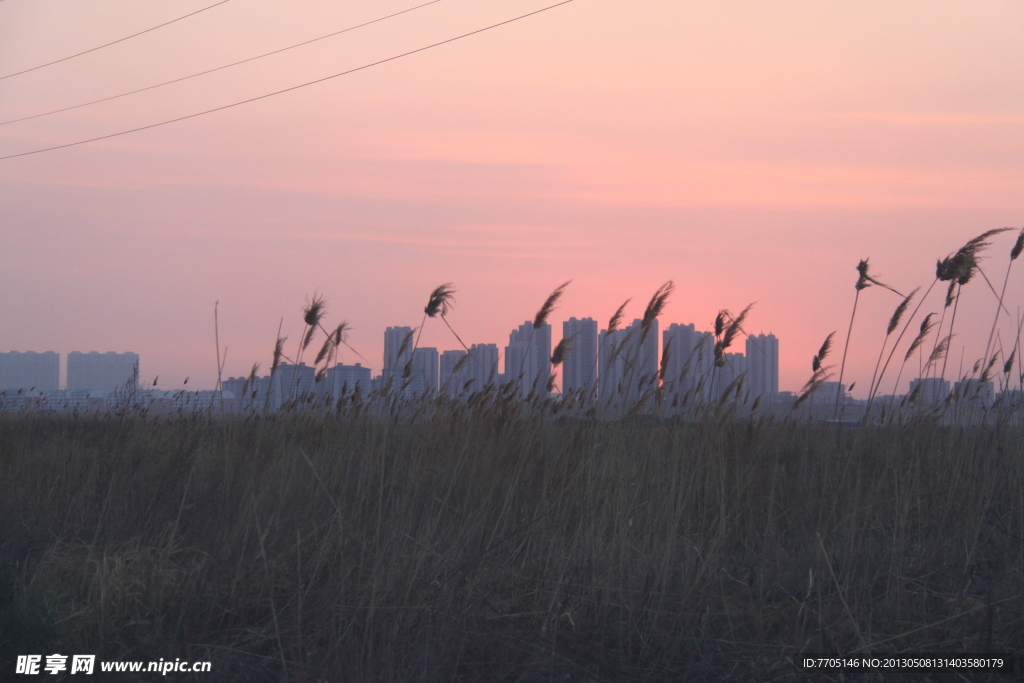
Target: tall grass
<point x="505" y="537"/>
<point x="491" y="540"/>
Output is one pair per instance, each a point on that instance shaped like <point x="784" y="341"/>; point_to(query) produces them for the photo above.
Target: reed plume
<point x="549" y="305"/>
<point x="324" y="350"/>
<point x="312" y="313"/>
<point x="987" y="374"/>
<point x="826" y="346"/>
<point x="961" y="265"/>
<point x="405" y="345"/>
<point x="656" y="306"/>
<point x="616" y="318"/>
<point x="958" y="269"/>
<point x="894" y="321"/>
<point x="820" y="373"/>
<point x="1018" y="246"/>
<point x="314" y="310"/>
<point x="926" y="326"/>
<point x="665" y="355"/>
<point x="278" y="354"/>
<point x="813" y="384"/>
<point x="735" y="327"/>
<point x="308" y="338"/>
<point x="562" y="348"/>
<point x="720" y="321"/>
<point x="939" y="352"/>
<point x="727" y="332"/>
<point x="340" y="333"/>
<point x="251" y="379"/>
<point x="441" y="300"/>
<point x="864" y="280"/>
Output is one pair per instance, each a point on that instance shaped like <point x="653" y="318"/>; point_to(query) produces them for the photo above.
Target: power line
<point x="115" y="42"/>
<point x="294" y="87"/>
<point x="219" y="68"/>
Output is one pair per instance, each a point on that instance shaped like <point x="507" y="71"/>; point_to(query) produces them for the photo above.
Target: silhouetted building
<point x="731" y="376"/>
<point x="690" y="358"/>
<point x="422" y="379"/>
<point x="628" y="363"/>
<point x="826" y="394"/>
<point x="928" y="390"/>
<point x="482" y="366"/>
<point x="528" y="358"/>
<point x="579" y="370"/>
<point x="762" y="364"/>
<point x="454" y="373"/>
<point x="101" y="371"/>
<point x="398" y="343"/>
<point x="292" y="384"/>
<point x="29" y="370"/>
<point x="975" y="392"/>
<point x="345" y="380"/>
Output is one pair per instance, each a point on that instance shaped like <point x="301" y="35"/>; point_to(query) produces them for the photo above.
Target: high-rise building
<point x="101" y="371"/>
<point x="974" y="391"/>
<point x="828" y="394"/>
<point x="422" y="379"/>
<point x="762" y="364"/>
<point x="528" y="358"/>
<point x="628" y="363"/>
<point x="579" y="370"/>
<point x="454" y="374"/>
<point x="690" y="358"/>
<point x="398" y="345"/>
<point x="29" y="370"/>
<point x="345" y="380"/>
<point x="610" y="350"/>
<point x="292" y="383"/>
<point x="730" y="374"/>
<point x="482" y="366"/>
<point x="929" y="391"/>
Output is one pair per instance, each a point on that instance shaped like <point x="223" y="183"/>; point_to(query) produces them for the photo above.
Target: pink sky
<point x="747" y="151"/>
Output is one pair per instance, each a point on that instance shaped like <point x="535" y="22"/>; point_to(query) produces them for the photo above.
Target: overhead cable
<point x="115" y="42"/>
<point x="294" y="87"/>
<point x="219" y="68"/>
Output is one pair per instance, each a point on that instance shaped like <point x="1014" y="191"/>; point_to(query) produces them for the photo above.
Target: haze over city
<point x="750" y="153"/>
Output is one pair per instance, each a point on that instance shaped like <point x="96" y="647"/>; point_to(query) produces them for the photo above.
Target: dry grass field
<point x="497" y="540"/>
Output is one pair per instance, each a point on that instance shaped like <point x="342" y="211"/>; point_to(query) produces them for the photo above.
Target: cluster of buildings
<point x="103" y="372"/>
<point x="614" y="366"/>
<point x="621" y="366"/>
<point x="618" y="366"/>
<point x="32" y="380"/>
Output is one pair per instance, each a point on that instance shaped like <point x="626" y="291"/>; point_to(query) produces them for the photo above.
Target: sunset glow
<point x="750" y="152"/>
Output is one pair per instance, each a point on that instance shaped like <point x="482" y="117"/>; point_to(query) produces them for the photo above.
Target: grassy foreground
<point x="478" y="543"/>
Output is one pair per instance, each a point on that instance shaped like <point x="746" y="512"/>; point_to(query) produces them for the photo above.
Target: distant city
<point x="619" y="367"/>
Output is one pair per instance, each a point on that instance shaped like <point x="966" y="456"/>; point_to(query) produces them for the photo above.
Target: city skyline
<point x="747" y="156"/>
<point x="599" y="365"/>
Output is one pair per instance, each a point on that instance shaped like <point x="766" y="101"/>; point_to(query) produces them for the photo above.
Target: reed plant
<point x="494" y="540"/>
